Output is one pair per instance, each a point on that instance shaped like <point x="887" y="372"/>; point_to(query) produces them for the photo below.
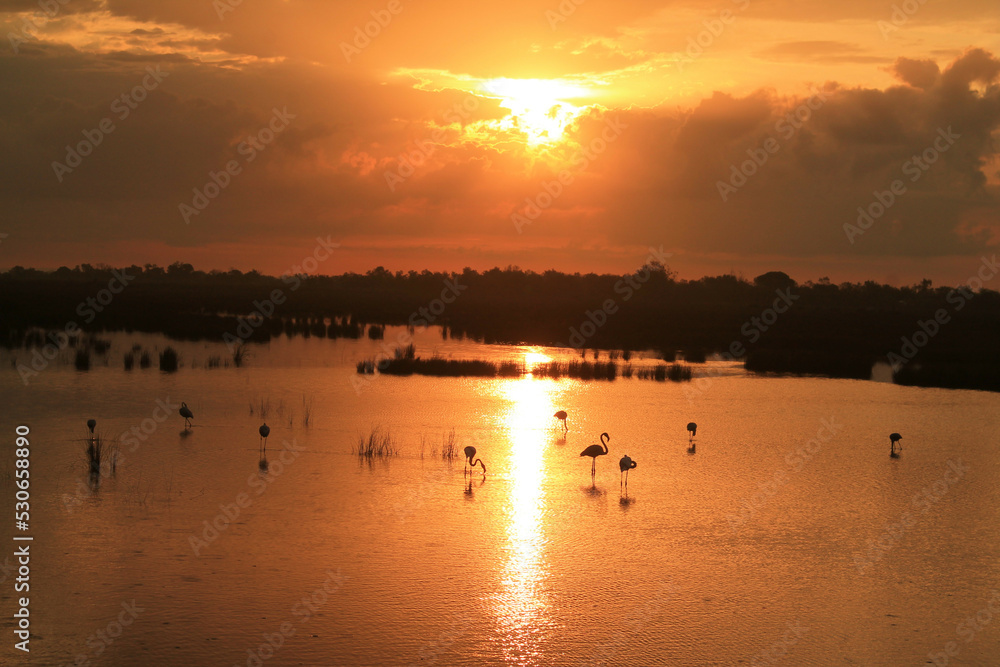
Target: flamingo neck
<point x="473" y="464"/>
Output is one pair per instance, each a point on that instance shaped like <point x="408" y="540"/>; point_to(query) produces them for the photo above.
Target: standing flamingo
<point x="91" y="424"/>
<point x="470" y="452"/>
<point x="264" y="431"/>
<point x="625" y="465"/>
<point x="692" y="430"/>
<point x="562" y="415"/>
<point x="894" y="438"/>
<point x="187" y="414"/>
<point x="596" y="450"/>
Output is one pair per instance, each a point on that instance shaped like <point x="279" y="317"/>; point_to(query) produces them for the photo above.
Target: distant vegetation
<point x="828" y="329"/>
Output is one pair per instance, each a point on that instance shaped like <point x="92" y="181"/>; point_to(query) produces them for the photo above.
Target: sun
<point x="538" y="107"/>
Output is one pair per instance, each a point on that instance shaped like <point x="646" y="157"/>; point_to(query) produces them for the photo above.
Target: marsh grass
<point x="379" y="444"/>
<point x="580" y="370"/>
<point x="129" y="360"/>
<point x="240" y="354"/>
<point x="169" y="361"/>
<point x="679" y="373"/>
<point x="449" y="448"/>
<point x="102" y="455"/>
<point x="307" y="408"/>
<point x="265" y="408"/>
<point x="145" y="361"/>
<point x="675" y="372"/>
<point x="82" y="359"/>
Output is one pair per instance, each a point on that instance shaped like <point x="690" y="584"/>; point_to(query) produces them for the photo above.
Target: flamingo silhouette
<point x="625" y="465"/>
<point x="692" y="430"/>
<point x="894" y="438"/>
<point x="264" y="431"/>
<point x="470" y="452"/>
<point x="91" y="424"/>
<point x="562" y="415"/>
<point x="187" y="414"/>
<point x="596" y="450"/>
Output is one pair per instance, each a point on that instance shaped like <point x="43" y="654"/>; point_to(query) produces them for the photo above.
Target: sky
<point x="855" y="140"/>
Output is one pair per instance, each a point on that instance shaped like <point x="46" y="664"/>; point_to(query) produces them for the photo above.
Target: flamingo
<point x="562" y="415"/>
<point x="470" y="452"/>
<point x="264" y="431"/>
<point x="187" y="414"/>
<point x="596" y="450"/>
<point x="91" y="424"/>
<point x="625" y="465"/>
<point x="894" y="438"/>
<point x="692" y="429"/>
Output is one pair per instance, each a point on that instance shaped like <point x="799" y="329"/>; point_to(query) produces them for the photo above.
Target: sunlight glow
<point x="533" y="357"/>
<point x="538" y="107"/>
<point x="522" y="611"/>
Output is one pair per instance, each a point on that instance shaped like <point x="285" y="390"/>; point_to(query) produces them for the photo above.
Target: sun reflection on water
<point x="521" y="608"/>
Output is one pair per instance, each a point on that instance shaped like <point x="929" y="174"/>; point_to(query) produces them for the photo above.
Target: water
<point x="745" y="552"/>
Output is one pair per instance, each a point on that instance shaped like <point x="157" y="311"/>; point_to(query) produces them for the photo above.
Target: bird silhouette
<point x="894" y="439"/>
<point x="596" y="450"/>
<point x="692" y="429"/>
<point x="470" y="452"/>
<point x="91" y="424"/>
<point x="625" y="465"/>
<point x="187" y="414"/>
<point x="562" y="416"/>
<point x="264" y="431"/>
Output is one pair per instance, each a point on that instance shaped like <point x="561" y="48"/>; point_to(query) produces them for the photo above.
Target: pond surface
<point x="788" y="537"/>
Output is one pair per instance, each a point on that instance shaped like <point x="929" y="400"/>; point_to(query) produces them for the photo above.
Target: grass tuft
<point x="378" y="445"/>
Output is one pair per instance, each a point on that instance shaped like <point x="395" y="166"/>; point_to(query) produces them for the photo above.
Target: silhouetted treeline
<point x="776" y="324"/>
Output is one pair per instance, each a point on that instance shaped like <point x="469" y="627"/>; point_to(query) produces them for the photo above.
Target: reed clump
<point x="82" y="359"/>
<point x="240" y="354"/>
<point x="169" y="361"/>
<point x="102" y="455"/>
<point x="449" y="448"/>
<point x="379" y="444"/>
